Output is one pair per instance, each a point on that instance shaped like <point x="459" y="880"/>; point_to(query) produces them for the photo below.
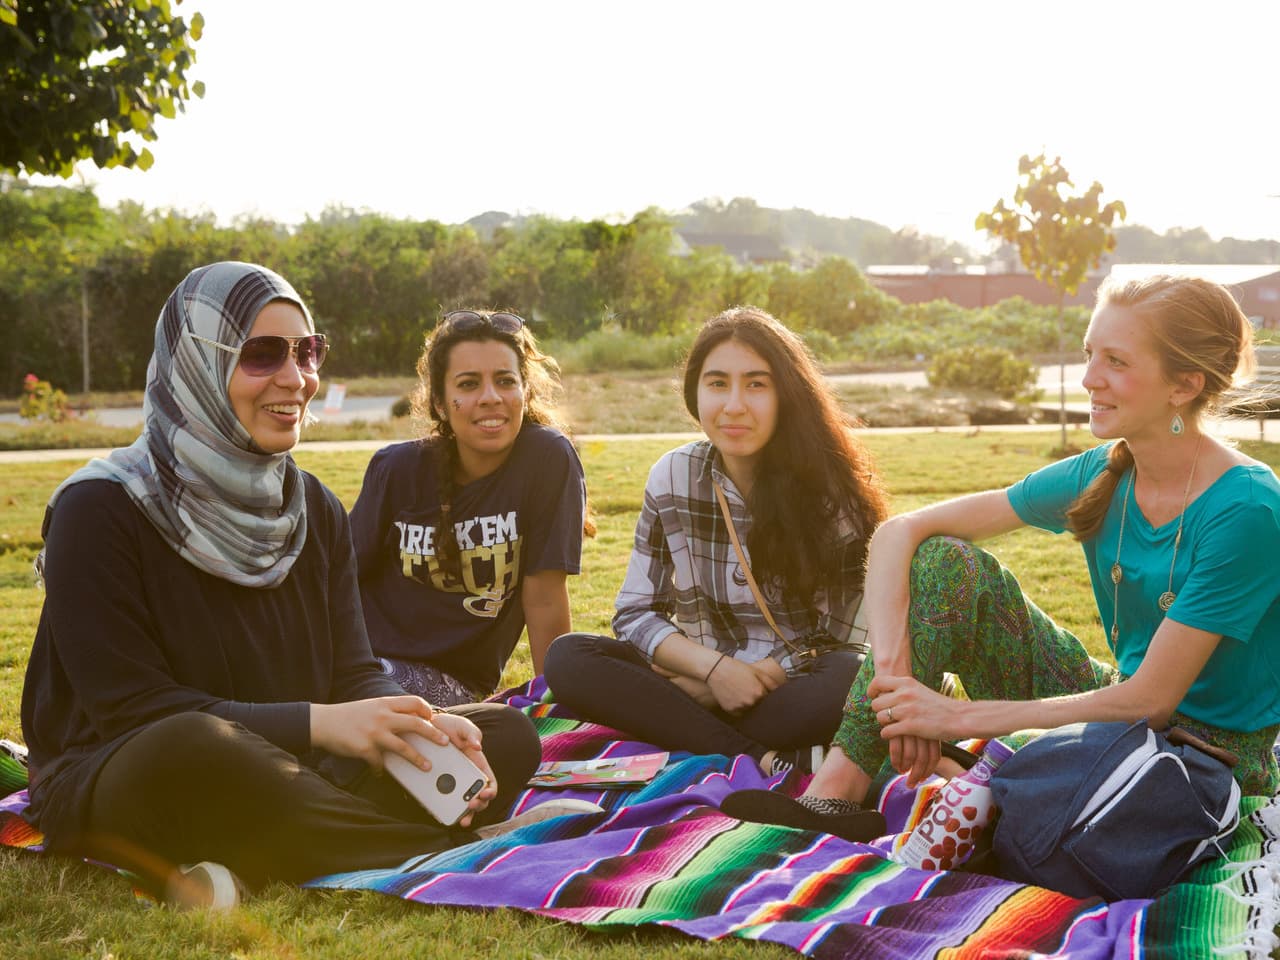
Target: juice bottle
<point x="959" y="813"/>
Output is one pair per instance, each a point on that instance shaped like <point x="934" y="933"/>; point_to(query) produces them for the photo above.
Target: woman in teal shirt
<point x="1179" y="533"/>
<point x="1222" y="572"/>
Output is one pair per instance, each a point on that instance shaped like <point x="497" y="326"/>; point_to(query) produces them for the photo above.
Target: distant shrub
<point x="886" y="342"/>
<point x="71" y="433"/>
<point x="922" y="329"/>
<point x="822" y="344"/>
<point x="993" y="369"/>
<point x="615" y="349"/>
<point x="1019" y="325"/>
<point x="41" y="401"/>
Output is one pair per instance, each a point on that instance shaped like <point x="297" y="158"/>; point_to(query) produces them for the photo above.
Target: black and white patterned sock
<point x="829" y="806"/>
<point x="780" y="765"/>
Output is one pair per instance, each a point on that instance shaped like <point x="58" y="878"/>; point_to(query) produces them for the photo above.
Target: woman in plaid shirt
<point x="696" y="664"/>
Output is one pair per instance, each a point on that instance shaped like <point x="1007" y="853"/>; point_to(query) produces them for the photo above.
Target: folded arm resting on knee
<point x="888" y="594"/>
<point x="904" y="707"/>
<point x="889" y="556"/>
<point x="913" y="717"/>
<point x="734" y="685"/>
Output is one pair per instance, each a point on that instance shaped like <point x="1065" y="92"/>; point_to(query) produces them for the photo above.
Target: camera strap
<point x="797" y="652"/>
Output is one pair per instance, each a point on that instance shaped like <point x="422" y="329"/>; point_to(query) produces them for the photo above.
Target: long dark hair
<point x="540" y="376"/>
<point x="811" y="472"/>
<point x="1197" y="327"/>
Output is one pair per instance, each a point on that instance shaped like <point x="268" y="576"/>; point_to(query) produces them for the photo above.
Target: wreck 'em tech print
<point x="490" y="560"/>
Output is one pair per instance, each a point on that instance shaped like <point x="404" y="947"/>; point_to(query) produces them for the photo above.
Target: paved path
<point x="1240" y="430"/>
<point x="379" y="408"/>
<point x="1047" y="381"/>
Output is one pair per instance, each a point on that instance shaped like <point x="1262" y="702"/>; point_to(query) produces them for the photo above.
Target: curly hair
<point x="1196" y="327"/>
<point x="540" y="376"/>
<point x="811" y="470"/>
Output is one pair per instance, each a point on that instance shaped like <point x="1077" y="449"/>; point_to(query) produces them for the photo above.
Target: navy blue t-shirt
<point x="524" y="517"/>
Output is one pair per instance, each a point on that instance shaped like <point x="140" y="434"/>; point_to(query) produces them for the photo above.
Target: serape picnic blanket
<point x="663" y="854"/>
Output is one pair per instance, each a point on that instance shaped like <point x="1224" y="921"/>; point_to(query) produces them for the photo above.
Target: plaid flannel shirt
<point x="684" y="575"/>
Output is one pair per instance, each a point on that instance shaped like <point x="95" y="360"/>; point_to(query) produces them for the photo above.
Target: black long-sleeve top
<point x="130" y="633"/>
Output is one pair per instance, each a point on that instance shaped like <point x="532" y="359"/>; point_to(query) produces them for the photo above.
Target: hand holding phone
<point x="448" y="787"/>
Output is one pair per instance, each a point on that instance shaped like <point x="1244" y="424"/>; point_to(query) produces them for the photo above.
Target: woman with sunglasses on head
<point x="466" y="538"/>
<point x="201" y="690"/>
<point x="735" y="625"/>
<point x="1180" y="534"/>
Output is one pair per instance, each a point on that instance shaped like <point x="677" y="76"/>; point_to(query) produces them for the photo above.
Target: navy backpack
<point x="1111" y="810"/>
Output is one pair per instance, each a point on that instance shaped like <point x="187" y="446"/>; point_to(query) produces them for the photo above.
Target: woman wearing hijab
<point x="201" y="689"/>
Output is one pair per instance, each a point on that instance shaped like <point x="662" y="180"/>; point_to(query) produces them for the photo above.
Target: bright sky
<point x="908" y="112"/>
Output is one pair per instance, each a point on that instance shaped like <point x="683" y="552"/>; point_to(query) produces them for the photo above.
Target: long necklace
<point x="1166" y="598"/>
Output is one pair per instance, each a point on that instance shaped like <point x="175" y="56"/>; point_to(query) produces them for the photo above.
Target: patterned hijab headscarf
<point x="216" y="498"/>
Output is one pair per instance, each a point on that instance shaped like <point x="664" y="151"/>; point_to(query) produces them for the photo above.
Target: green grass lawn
<point x="51" y="907"/>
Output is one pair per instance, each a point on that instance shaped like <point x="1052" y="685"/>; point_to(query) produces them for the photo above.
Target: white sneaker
<point x="204" y="885"/>
<point x="563" y="807"/>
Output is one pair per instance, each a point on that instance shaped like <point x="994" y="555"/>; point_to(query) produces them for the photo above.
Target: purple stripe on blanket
<point x="664" y="854"/>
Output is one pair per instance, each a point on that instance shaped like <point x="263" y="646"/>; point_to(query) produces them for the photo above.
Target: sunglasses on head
<point x="469" y="320"/>
<point x="263" y="356"/>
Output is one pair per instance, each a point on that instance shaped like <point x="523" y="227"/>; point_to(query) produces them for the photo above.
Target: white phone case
<point x="444" y="789"/>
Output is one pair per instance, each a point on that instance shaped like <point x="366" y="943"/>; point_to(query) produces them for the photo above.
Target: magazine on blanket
<point x="601" y="772"/>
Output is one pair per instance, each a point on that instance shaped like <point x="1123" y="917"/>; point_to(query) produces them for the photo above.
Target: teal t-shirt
<point x="1226" y="579"/>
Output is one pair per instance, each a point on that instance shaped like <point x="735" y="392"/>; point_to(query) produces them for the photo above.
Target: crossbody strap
<point x="746" y="568"/>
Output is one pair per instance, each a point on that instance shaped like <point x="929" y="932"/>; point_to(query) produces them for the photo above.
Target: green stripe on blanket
<point x="663" y="854"/>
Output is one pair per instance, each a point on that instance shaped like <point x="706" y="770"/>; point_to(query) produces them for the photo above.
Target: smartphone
<point x="445" y="789"/>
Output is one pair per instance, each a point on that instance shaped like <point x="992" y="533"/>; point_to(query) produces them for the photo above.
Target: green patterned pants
<point x="970" y="617"/>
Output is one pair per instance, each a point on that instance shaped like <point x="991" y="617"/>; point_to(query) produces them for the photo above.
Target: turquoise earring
<point x="1176" y="426"/>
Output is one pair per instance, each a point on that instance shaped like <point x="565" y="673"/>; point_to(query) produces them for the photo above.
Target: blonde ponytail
<point x="1085" y="516"/>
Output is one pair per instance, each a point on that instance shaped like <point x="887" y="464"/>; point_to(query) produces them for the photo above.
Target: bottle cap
<point x="996" y="752"/>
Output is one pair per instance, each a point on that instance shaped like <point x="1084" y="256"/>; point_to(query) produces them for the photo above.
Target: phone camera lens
<point x="445" y="783"/>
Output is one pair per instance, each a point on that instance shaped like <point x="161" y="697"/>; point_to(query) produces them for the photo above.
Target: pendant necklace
<point x="1166" y="598"/>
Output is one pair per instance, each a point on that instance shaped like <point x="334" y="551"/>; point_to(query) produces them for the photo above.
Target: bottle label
<point x="946" y="836"/>
<point x="960" y="811"/>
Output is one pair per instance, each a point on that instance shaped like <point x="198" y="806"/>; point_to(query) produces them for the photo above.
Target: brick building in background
<point x="1256" y="286"/>
<point x="972" y="286"/>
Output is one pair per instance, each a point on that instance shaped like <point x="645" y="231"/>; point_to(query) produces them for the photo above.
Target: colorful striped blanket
<point x="663" y="854"/>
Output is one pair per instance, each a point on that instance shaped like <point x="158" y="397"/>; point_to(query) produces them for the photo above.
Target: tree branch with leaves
<point x="1058" y="236"/>
<point x="78" y="78"/>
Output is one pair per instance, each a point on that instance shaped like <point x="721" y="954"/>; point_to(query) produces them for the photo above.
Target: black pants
<point x="193" y="787"/>
<point x="608" y="681"/>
